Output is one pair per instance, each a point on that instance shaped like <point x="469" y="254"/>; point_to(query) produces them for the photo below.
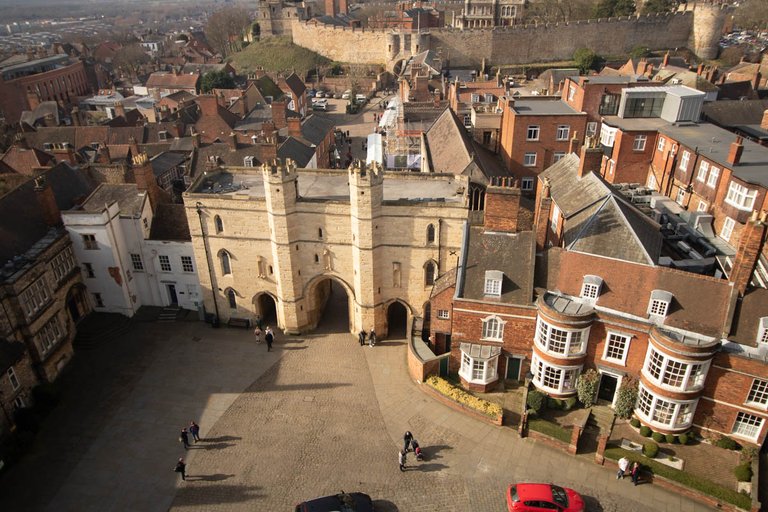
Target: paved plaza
<point x="316" y="415"/>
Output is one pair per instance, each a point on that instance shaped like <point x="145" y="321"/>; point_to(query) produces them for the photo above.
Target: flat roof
<point x="635" y="124"/>
<point x="543" y="107"/>
<point x="333" y="185"/>
<point x="681" y="91"/>
<point x="714" y="143"/>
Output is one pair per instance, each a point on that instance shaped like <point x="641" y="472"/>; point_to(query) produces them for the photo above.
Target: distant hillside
<point x="277" y="54"/>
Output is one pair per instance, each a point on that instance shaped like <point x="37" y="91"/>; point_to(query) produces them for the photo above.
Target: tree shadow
<point x="218" y="477"/>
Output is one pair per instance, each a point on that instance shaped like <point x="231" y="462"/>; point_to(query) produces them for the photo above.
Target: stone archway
<point x="398" y="312"/>
<point x="331" y="304"/>
<point x="77" y="303"/>
<point x="265" y="309"/>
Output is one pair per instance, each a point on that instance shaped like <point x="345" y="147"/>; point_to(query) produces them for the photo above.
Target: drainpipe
<point x="215" y="322"/>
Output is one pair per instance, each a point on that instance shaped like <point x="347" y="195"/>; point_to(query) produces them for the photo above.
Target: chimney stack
<point x="119" y="109"/>
<point x="134" y="146"/>
<point x="330" y="8"/>
<point x="543" y="211"/>
<point x="574" y="143"/>
<point x="665" y="62"/>
<point x="737" y="148"/>
<point x="46" y="200"/>
<point x="195" y="137"/>
<point x="75" y="115"/>
<point x="590" y="160"/>
<point x="232" y="141"/>
<point x="343" y="7"/>
<point x="750" y="246"/>
<point x="502" y="206"/>
<point x="279" y="108"/>
<point x="146" y="181"/>
<point x="102" y="154"/>
<point x="294" y="126"/>
<point x="764" y="122"/>
<point x="757" y="80"/>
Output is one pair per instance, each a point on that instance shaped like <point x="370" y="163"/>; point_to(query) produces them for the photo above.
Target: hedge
<point x="743" y="472"/>
<point x="550" y="429"/>
<point x="650" y="450"/>
<point x="646" y="431"/>
<point x="687" y="479"/>
<point x="445" y="388"/>
<point x="536" y="400"/>
<point x="658" y="437"/>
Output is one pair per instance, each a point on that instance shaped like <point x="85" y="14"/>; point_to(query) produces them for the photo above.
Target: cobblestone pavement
<point x="316" y="415"/>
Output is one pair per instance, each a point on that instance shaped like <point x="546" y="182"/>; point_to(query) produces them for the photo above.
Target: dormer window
<point x="162" y="135"/>
<point x="658" y="307"/>
<point x="488" y="98"/>
<point x="95" y="145"/>
<point x="590" y="288"/>
<point x="248" y="161"/>
<point x="475" y="98"/>
<point x="762" y="331"/>
<point x="493" y="280"/>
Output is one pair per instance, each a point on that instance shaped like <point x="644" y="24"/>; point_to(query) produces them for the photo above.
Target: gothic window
<point x="218" y="224"/>
<point x="431" y="234"/>
<point x="226" y="265"/>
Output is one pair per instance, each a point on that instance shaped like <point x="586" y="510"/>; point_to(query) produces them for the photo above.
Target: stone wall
<point x="517" y="44"/>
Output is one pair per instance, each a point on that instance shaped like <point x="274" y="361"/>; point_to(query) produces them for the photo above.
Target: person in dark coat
<point x="269" y="337"/>
<point x="194" y="429"/>
<point x="184" y="438"/>
<point x="635" y="473"/>
<point x="372" y="337"/>
<point x="181" y="468"/>
<point x="407" y="440"/>
<point x="361" y="337"/>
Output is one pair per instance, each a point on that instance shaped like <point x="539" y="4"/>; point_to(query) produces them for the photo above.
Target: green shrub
<point x="727" y="443"/>
<point x="635" y="422"/>
<point x="671" y="438"/>
<point x="748" y="453"/>
<point x="458" y="395"/>
<point x="586" y="387"/>
<point x="743" y="472"/>
<point x="570" y="403"/>
<point x="626" y="397"/>
<point x="650" y="450"/>
<point x="687" y="479"/>
<point x="536" y="400"/>
<point x="645" y="431"/>
<point x="555" y="403"/>
<point x="684" y="438"/>
<point x="658" y="437"/>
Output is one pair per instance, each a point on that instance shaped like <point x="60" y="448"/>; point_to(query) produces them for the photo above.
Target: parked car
<point x="312" y="93"/>
<point x="319" y="104"/>
<point x="347" y="94"/>
<point x="337" y="96"/>
<point x="360" y="98"/>
<point x="342" y="502"/>
<point x="528" y="497"/>
<point x="320" y="94"/>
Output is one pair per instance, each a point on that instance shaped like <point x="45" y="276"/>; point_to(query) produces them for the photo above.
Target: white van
<point x="320" y="104"/>
<point x="360" y="98"/>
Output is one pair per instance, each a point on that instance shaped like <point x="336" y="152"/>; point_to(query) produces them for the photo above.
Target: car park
<point x="347" y="94"/>
<point x="342" y="502"/>
<point x="312" y="93"/>
<point x="360" y="98"/>
<point x="319" y="104"/>
<point x="530" y="497"/>
<point x="320" y="94"/>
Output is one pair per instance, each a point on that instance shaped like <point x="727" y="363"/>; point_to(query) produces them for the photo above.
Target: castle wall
<point x="519" y="44"/>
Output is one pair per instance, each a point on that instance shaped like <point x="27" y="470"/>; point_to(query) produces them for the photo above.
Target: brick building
<point x="17" y="378"/>
<point x="582" y="279"/>
<point x="537" y="132"/>
<point x="409" y="16"/>
<point x="23" y="86"/>
<point x="489" y="13"/>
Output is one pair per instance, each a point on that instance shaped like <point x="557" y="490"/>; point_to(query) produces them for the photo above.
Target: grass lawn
<point x="550" y="429"/>
<point x="276" y="54"/>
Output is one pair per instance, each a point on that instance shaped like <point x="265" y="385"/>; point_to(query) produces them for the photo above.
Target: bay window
<point x="553" y="378"/>
<point x="479" y="363"/>
<point x="568" y="342"/>
<point x="662" y="412"/>
<point x="674" y="374"/>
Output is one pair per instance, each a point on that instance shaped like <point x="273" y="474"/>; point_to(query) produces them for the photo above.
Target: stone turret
<point x="708" y="22"/>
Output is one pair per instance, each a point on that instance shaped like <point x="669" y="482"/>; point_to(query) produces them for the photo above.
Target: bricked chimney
<point x="747" y="255"/>
<point x="267" y="151"/>
<point x="195" y="137"/>
<point x="33" y="99"/>
<point x="543" y="211"/>
<point x="343" y="7"/>
<point x="64" y="153"/>
<point x="209" y="105"/>
<point x="134" y="146"/>
<point x="590" y="160"/>
<point x="756" y="82"/>
<point x="294" y="126"/>
<point x="259" y="73"/>
<point x="146" y="181"/>
<point x="502" y="206"/>
<point x="665" y="62"/>
<point x="46" y="200"/>
<point x="764" y="122"/>
<point x="102" y="154"/>
<point x="75" y="115"/>
<point x="278" y="113"/>
<point x="573" y="144"/>
<point x="700" y="69"/>
<point x="232" y="141"/>
<point x="119" y="109"/>
<point x="20" y="141"/>
<point x="330" y="8"/>
<point x="737" y="148"/>
<point x="268" y="129"/>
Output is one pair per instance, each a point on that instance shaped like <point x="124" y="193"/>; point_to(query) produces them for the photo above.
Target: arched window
<point x="317" y="258"/>
<point x="226" y="265"/>
<point x="431" y="234"/>
<point x="319" y="232"/>
<point x="232" y="298"/>
<point x="429" y="273"/>
<point x="493" y="328"/>
<point x="218" y="225"/>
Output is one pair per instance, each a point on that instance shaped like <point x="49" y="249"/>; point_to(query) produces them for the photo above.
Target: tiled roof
<point x="126" y="195"/>
<point x="26" y="161"/>
<point x="730" y="113"/>
<point x="166" y="80"/>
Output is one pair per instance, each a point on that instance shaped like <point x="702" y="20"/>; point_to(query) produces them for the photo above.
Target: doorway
<point x="513" y="368"/>
<point x="397" y="320"/>
<point x="77" y="304"/>
<point x="266" y="310"/>
<point x="332" y="306"/>
<point x="607" y="389"/>
<point x="172" y="294"/>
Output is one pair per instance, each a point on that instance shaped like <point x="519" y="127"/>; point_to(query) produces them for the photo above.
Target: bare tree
<point x="225" y="28"/>
<point x="751" y="14"/>
<point x="129" y="59"/>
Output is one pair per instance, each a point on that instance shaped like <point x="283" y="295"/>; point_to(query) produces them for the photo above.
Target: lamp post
<point x="199" y="208"/>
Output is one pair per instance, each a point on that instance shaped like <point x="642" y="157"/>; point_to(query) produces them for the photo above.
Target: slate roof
<point x="223" y="155"/>
<point x="512" y="254"/>
<point x="170" y="223"/>
<point x="127" y="196"/>
<point x="163" y="162"/>
<point x="32" y="117"/>
<point x="315" y="128"/>
<point x="733" y="113"/>
<point x="295" y="84"/>
<point x="597" y="218"/>
<point x="80" y="136"/>
<point x="752" y="307"/>
<point x="11" y="353"/>
<point x="296" y="150"/>
<point x="21" y="221"/>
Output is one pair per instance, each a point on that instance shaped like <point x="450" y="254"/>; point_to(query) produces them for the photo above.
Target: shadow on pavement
<point x="220" y="439"/>
<point x="429" y="467"/>
<point x="384" y="506"/>
<point x="214" y="446"/>
<point x="204" y="495"/>
<point x="218" y="477"/>
<point x="591" y="504"/>
<point x="433" y="452"/>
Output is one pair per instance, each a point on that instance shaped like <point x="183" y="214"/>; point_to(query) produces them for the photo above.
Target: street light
<point x="199" y="208"/>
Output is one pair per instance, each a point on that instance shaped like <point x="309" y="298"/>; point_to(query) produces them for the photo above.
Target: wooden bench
<point x="245" y="323"/>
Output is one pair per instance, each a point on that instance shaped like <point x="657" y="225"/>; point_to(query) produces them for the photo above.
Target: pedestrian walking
<point x="635" y="472"/>
<point x="257" y="333"/>
<point x="407" y="437"/>
<point x="623" y="467"/>
<point x="269" y="337"/>
<point x="184" y="438"/>
<point x="181" y="467"/>
<point x="372" y="337"/>
<point x="401" y="460"/>
<point x="361" y="337"/>
<point x="194" y="429"/>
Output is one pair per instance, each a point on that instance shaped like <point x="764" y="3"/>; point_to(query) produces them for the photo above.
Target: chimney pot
<point x="737" y="148"/>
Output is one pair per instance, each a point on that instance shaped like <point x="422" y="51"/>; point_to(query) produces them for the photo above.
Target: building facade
<point x="490" y="13"/>
<point x="278" y="238"/>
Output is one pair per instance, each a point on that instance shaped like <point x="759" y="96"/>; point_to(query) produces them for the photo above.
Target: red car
<point x="543" y="497"/>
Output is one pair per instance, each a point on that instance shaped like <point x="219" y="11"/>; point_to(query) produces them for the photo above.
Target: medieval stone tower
<point x="708" y="22"/>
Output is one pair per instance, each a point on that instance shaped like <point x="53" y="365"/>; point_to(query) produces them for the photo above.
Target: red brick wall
<point x="631" y="166"/>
